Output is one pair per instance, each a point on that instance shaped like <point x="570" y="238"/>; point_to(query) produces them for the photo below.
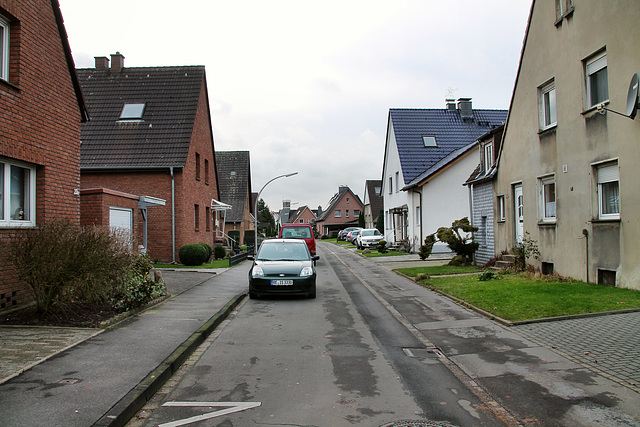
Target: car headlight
<point x="257" y="272"/>
<point x="306" y="271"/>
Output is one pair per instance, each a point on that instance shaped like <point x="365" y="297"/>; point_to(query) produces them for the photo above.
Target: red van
<point x="299" y="231"/>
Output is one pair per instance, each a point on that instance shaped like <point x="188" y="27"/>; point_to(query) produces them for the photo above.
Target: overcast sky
<point x="307" y="86"/>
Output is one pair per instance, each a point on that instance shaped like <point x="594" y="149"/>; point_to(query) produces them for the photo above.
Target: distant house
<point x="480" y="185"/>
<point x="150" y="136"/>
<point x="568" y="170"/>
<point x="234" y="184"/>
<point x="41" y="106"/>
<point x="429" y="154"/>
<point x="343" y="210"/>
<point x="373" y="203"/>
<point x="302" y="215"/>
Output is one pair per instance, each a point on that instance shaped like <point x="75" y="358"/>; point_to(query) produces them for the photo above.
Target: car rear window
<point x="296" y="233"/>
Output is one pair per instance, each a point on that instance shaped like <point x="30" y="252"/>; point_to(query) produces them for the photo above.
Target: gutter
<point x="173" y="215"/>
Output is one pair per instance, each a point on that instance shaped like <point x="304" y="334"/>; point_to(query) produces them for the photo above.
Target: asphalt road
<point x="341" y="359"/>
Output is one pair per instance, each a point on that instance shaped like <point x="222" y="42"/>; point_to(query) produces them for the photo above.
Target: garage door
<point x="121" y="219"/>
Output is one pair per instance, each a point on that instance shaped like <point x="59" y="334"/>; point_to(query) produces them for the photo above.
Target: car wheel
<point x="312" y="294"/>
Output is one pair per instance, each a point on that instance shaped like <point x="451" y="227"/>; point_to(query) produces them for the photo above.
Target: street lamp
<point x="255" y="217"/>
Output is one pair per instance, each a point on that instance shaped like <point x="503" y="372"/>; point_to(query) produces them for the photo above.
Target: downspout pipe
<point x="173" y="215"/>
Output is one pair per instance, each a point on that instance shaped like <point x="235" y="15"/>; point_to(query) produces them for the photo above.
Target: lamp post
<point x="255" y="218"/>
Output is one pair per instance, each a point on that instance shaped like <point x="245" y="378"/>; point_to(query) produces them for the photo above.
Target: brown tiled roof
<point x="234" y="182"/>
<point x="375" y="200"/>
<point x="161" y="138"/>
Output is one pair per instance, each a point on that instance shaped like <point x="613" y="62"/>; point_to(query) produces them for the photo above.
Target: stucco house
<point x="373" y="203"/>
<point x="343" y="210"/>
<point x="41" y="108"/>
<point x="429" y="154"/>
<point x="234" y="184"/>
<point x="150" y="136"/>
<point x="568" y="168"/>
<point x="480" y="185"/>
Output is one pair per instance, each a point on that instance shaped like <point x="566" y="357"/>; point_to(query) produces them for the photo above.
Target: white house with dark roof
<point x="428" y="157"/>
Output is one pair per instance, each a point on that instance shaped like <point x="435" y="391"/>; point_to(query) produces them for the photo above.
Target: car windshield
<point x="370" y="233"/>
<point x="283" y="251"/>
<point x="296" y="233"/>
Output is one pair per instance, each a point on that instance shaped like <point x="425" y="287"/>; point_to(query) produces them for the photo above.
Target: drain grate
<point x="418" y="423"/>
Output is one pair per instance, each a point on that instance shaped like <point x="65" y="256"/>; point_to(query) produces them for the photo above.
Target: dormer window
<point x="132" y="111"/>
<point x="429" y="141"/>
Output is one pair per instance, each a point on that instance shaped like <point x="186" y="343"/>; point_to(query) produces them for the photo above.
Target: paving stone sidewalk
<point x="608" y="344"/>
<point x="23" y="347"/>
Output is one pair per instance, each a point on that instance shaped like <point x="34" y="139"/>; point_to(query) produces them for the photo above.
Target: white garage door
<point x="121" y="219"/>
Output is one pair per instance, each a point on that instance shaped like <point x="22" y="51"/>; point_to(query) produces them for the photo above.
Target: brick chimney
<point x="451" y="104"/>
<point x="465" y="107"/>
<point x="117" y="62"/>
<point x="102" y="62"/>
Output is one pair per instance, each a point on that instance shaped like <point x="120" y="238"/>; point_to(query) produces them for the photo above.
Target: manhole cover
<point x="418" y="423"/>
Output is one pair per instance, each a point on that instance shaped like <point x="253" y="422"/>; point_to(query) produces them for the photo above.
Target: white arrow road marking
<point x="233" y="407"/>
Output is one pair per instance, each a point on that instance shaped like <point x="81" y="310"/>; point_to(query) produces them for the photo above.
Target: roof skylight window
<point x="132" y="111"/>
<point x="429" y="141"/>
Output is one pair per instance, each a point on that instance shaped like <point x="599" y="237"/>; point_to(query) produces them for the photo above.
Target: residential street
<point x="372" y="349"/>
<point x="375" y="349"/>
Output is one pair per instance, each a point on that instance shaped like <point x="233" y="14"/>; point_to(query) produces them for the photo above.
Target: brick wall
<point x="95" y="205"/>
<point x="40" y="122"/>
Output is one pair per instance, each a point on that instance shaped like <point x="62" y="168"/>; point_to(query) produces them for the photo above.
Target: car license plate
<point x="282" y="282"/>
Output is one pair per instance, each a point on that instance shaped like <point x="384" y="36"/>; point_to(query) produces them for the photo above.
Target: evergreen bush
<point x="382" y="247"/>
<point x="208" y="248"/>
<point x="219" y="252"/>
<point x="192" y="254"/>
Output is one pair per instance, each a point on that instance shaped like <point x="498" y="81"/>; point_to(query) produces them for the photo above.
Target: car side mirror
<point x="250" y="257"/>
<point x="315" y="257"/>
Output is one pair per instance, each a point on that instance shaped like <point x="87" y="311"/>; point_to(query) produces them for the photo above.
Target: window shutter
<point x="608" y="173"/>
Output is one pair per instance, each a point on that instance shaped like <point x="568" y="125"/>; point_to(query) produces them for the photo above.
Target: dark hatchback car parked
<point x="283" y="267"/>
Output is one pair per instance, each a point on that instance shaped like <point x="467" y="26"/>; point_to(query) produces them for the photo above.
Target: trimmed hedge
<point x="193" y="254"/>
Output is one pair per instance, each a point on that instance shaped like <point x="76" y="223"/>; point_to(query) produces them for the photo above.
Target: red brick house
<point x="149" y="139"/>
<point x="234" y="183"/>
<point x="343" y="211"/>
<point x="41" y="107"/>
<point x="302" y="215"/>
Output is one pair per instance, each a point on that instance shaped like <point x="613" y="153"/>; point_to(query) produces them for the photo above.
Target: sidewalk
<point x="87" y="384"/>
<point x="606" y="344"/>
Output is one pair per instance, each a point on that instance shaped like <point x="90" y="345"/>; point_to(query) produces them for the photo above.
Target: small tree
<point x="463" y="246"/>
<point x="525" y="249"/>
<point x="380" y="222"/>
<point x="266" y="223"/>
<point x="361" y="223"/>
<point x="425" y="250"/>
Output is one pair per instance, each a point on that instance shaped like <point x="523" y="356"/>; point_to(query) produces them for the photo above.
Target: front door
<point x="519" y="212"/>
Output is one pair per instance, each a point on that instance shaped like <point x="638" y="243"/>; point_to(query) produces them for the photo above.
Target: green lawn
<point x="219" y="263"/>
<point x="439" y="269"/>
<point x="518" y="297"/>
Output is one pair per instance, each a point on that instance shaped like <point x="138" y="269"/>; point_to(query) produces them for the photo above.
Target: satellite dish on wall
<point x="632" y="96"/>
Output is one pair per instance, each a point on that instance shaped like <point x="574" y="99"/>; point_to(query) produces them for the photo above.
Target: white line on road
<point x="232" y="407"/>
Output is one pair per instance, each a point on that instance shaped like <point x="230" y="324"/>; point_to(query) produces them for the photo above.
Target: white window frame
<point x="547" y="105"/>
<point x="502" y="214"/>
<point x="356" y="213"/>
<point x="5" y="197"/>
<point x="337" y="213"/>
<point x="606" y="173"/>
<point x="594" y="65"/>
<point x="488" y="156"/>
<point x="397" y="182"/>
<point x="543" y="190"/>
<point x="417" y="216"/>
<point x="4" y="48"/>
<point x="346" y="214"/>
<point x="390" y="185"/>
